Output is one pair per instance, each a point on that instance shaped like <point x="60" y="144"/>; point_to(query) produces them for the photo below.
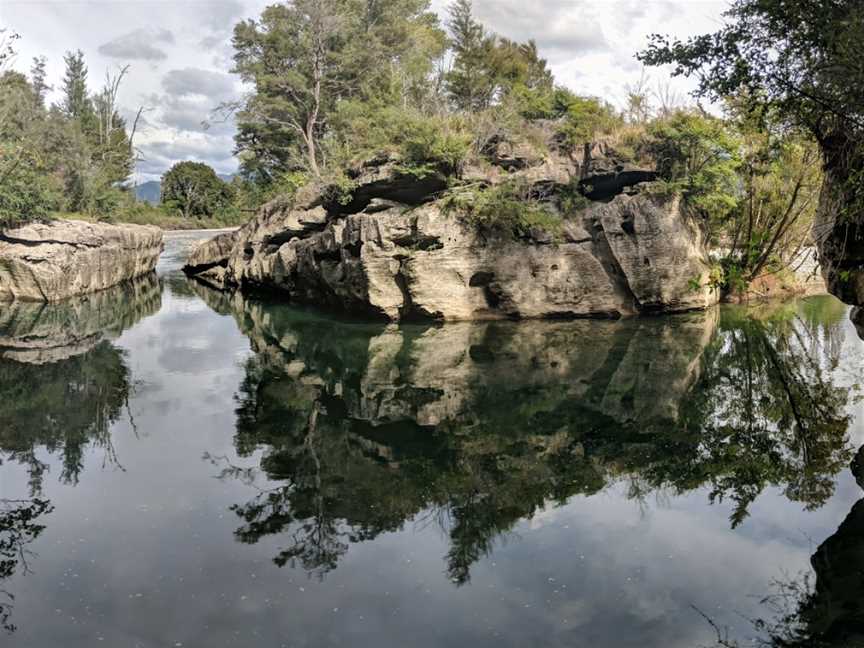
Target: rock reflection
<point x="477" y="426"/>
<point x="62" y="382"/>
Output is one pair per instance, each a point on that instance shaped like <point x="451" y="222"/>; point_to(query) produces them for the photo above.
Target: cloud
<point x="221" y="16"/>
<point x="562" y="29"/>
<point x="195" y="81"/>
<point x="138" y="44"/>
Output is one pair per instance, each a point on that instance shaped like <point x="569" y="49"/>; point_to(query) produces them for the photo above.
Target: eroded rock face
<point x="48" y="262"/>
<point x="399" y="259"/>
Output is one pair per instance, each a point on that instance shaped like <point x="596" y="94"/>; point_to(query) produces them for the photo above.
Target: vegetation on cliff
<point x="797" y="67"/>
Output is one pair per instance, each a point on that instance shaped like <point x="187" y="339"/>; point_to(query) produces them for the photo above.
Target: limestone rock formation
<point x="395" y="251"/>
<point x="51" y="261"/>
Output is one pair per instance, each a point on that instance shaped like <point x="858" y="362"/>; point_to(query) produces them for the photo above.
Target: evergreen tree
<point x="37" y="80"/>
<point x="470" y="85"/>
<point x="76" y="100"/>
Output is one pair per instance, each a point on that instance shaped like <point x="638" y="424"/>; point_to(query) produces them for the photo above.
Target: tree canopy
<point x="195" y="189"/>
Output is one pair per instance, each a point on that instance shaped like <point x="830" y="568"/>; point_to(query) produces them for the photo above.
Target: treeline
<point x="75" y="157"/>
<point x="70" y="156"/>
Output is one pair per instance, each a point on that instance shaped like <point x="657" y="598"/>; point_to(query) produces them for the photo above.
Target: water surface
<point x="185" y="467"/>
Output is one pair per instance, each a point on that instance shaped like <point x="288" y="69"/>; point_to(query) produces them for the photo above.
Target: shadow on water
<point x="476" y="426"/>
<point x="62" y="384"/>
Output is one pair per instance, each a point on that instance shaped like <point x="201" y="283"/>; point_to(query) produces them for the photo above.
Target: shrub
<point x="510" y="209"/>
<point x="698" y="156"/>
<point x="424" y="143"/>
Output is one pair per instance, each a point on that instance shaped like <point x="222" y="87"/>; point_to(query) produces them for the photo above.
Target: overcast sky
<point x="179" y="54"/>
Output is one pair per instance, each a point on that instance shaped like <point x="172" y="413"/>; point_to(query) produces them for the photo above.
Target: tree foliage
<point x="195" y="189"/>
<point x="75" y="156"/>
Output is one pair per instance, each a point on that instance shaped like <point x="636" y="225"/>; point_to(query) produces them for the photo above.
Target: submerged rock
<point x="395" y="252"/>
<point x="52" y="261"/>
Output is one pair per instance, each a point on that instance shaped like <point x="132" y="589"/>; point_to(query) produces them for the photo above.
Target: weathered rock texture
<point x="395" y="252"/>
<point x="39" y="333"/>
<point x="839" y="224"/>
<point x="48" y="262"/>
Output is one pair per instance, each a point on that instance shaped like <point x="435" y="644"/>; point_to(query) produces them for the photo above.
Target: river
<point x="181" y="467"/>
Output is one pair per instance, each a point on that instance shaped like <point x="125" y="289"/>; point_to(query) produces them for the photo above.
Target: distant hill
<point x="149" y="192"/>
<point x="152" y="191"/>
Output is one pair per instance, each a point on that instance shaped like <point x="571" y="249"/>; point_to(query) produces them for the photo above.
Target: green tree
<point x="76" y="98"/>
<point x="195" y="189"/>
<point x="37" y="79"/>
<point x="698" y="155"/>
<point x="803" y="62"/>
<point x="470" y="84"/>
<point x="305" y="57"/>
<point x="27" y="191"/>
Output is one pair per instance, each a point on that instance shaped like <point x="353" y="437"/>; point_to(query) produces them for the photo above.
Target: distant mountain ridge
<point x="151" y="191"/>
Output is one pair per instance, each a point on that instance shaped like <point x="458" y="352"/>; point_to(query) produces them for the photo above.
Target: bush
<point x="26" y="193"/>
<point x="509" y="209"/>
<point x="698" y="156"/>
<point x="425" y="144"/>
<point x="585" y="118"/>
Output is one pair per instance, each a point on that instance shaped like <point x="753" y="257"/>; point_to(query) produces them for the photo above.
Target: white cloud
<point x="138" y="44"/>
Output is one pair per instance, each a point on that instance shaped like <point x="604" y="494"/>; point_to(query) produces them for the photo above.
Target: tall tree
<point x="469" y="83"/>
<point x="304" y="57"/>
<point x="76" y="100"/>
<point x="37" y="79"/>
<point x="290" y="55"/>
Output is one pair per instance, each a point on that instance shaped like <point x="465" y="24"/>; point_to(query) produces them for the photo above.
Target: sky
<point x="179" y="55"/>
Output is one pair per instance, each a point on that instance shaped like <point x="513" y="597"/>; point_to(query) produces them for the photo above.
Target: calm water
<point x="180" y="467"/>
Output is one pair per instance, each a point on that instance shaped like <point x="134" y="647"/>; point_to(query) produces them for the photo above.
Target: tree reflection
<point x="475" y="427"/>
<point x="822" y="612"/>
<point x="19" y="526"/>
<point x="766" y="411"/>
<point x="62" y="382"/>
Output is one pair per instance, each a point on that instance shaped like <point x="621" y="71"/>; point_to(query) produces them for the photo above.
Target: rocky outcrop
<point x="47" y="262"/>
<point x="40" y="333"/>
<point x="395" y="251"/>
<point x="839" y="224"/>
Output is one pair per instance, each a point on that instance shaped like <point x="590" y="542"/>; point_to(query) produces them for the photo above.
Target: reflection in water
<point x="18" y="528"/>
<point x="476" y="426"/>
<point x="62" y="385"/>
<point x="827" y="612"/>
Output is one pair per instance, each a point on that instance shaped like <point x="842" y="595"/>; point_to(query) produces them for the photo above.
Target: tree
<point x="195" y="189"/>
<point x="37" y="79"/>
<point x="26" y="190"/>
<point x="76" y="100"/>
<point x="802" y="61"/>
<point x="291" y="57"/>
<point x="306" y="56"/>
<point x="469" y="83"/>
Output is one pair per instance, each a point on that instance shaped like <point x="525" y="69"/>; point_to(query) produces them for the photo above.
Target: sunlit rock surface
<point x="395" y="252"/>
<point x="47" y="262"/>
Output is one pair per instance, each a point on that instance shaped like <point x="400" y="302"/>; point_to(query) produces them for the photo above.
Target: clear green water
<point x="184" y="468"/>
